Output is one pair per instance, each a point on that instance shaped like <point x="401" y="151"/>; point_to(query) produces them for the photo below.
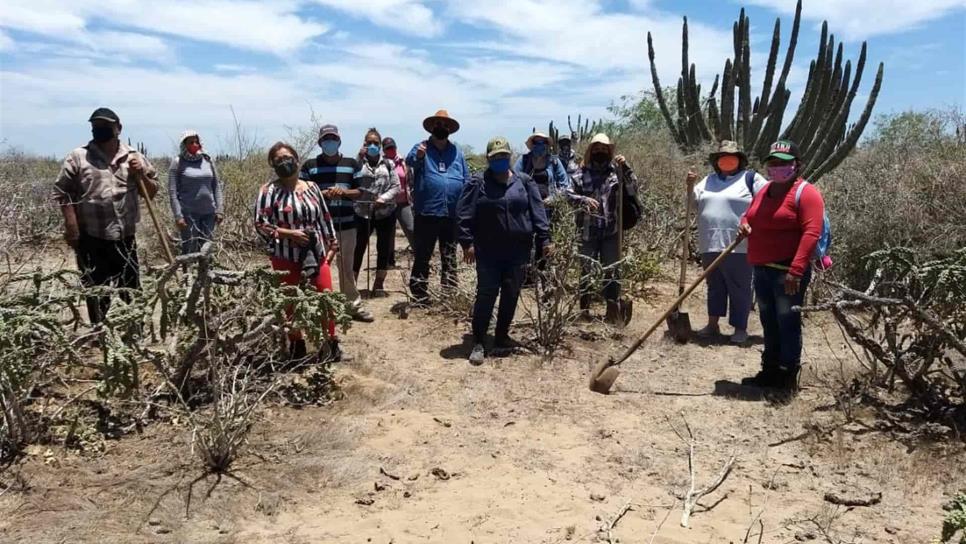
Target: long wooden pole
<point x="154" y="217"/>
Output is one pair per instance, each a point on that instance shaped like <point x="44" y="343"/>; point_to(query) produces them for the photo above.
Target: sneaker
<point x="766" y="378"/>
<point x="478" y="354"/>
<point x="361" y="314"/>
<point x="709" y="331"/>
<point x="505" y="343"/>
<point x="740" y="336"/>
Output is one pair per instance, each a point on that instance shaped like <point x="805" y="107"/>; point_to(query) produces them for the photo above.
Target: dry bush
<point x="26" y="214"/>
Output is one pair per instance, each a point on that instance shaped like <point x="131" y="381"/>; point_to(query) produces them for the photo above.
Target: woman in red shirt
<point x="783" y="226"/>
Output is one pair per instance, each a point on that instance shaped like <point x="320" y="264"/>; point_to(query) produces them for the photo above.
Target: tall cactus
<point x="820" y="125"/>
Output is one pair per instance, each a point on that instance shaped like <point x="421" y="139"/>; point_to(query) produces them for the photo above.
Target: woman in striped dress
<point x="293" y="219"/>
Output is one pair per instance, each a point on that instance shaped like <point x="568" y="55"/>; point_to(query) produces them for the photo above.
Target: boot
<point x="766" y="378"/>
<point x="613" y="315"/>
<point x="332" y="353"/>
<point x="378" y="286"/>
<point x="297" y="350"/>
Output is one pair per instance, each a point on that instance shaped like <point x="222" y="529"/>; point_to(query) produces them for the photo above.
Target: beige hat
<point x="599" y="138"/>
<point x="452" y="125"/>
<point x="188" y="134"/>
<point x="497" y="146"/>
<point x="534" y="136"/>
<point x="727" y="147"/>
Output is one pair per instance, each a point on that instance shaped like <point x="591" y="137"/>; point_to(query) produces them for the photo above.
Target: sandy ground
<point x="426" y="448"/>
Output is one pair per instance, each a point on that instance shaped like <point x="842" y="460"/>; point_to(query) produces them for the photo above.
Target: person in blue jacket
<point x="501" y="216"/>
<point x="547" y="171"/>
<point x="439" y="174"/>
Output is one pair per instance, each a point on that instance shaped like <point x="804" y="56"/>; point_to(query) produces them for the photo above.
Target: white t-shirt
<point x="721" y="202"/>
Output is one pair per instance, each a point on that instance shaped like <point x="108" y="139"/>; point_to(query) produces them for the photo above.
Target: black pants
<point x="111" y="263"/>
<point x="427" y="231"/>
<point x="493" y="278"/>
<point x="385" y="230"/>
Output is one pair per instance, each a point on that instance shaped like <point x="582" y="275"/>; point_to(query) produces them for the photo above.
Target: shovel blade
<point x="603" y="377"/>
<point x="679" y="326"/>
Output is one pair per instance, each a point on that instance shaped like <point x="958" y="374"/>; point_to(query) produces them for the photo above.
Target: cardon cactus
<point x="820" y="126"/>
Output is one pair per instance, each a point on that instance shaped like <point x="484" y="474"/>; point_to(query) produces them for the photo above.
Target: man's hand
<point x="377" y="203"/>
<point x="691" y="177"/>
<point x="71" y="234"/>
<point x="620" y="160"/>
<point x="591" y="204"/>
<point x="469" y="255"/>
<point x="219" y="218"/>
<point x="792" y="284"/>
<point x="548" y="250"/>
<point x="421" y="150"/>
<point x="181" y="224"/>
<point x="134" y="164"/>
<point x="744" y="230"/>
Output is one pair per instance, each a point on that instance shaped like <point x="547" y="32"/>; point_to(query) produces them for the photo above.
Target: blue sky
<point x="499" y="66"/>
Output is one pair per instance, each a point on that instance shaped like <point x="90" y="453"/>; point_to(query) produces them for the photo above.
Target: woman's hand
<point x="469" y="255"/>
<point x="181" y="224"/>
<point x="691" y="178"/>
<point x="301" y="238"/>
<point x="744" y="231"/>
<point x="219" y="218"/>
<point x="591" y="204"/>
<point x="792" y="284"/>
<point x="548" y="250"/>
<point x="620" y="160"/>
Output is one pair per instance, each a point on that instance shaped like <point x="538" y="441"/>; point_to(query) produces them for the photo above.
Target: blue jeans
<point x="782" y="326"/>
<point x="199" y="230"/>
<point x="492" y="279"/>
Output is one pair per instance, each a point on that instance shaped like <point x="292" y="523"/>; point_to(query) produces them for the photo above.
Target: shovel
<point x="678" y="323"/>
<point x="606" y="372"/>
<point x="621" y="311"/>
<point x="168" y="256"/>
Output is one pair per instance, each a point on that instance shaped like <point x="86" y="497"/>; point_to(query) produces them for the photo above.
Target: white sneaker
<point x="739" y="337"/>
<point x="709" y="331"/>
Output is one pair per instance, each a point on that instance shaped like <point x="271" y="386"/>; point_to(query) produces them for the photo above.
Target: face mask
<point x="601" y="157"/>
<point x="539" y="149"/>
<point x="728" y="163"/>
<point x="193" y="149"/>
<point x="440" y="133"/>
<point x="102" y="134"/>
<point x="564" y="149"/>
<point x="372" y="150"/>
<point x="500" y="166"/>
<point x="782" y="174"/>
<point x="285" y="167"/>
<point x="391" y="152"/>
<point x="330" y="147"/>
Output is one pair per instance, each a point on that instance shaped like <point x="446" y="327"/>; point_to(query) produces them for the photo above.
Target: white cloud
<point x="6" y="42"/>
<point x="404" y="16"/>
<point x="258" y="25"/>
<point x="860" y="19"/>
<point x="129" y="44"/>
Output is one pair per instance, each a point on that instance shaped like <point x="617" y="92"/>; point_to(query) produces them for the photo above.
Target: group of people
<point x="325" y="209"/>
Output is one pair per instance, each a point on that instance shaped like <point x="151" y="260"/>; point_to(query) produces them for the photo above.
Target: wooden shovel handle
<point x="685" y="239"/>
<point x="637" y="344"/>
<point x="168" y="256"/>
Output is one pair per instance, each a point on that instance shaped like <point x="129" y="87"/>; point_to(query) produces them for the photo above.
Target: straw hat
<point x="599" y="138"/>
<point x="534" y="136"/>
<point x="452" y="125"/>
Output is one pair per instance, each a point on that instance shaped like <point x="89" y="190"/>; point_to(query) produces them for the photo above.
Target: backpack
<point x="633" y="209"/>
<point x="820" y="258"/>
<point x="750" y="182"/>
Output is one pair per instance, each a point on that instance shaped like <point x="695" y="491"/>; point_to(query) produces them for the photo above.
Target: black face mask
<point x="600" y="157"/>
<point x="102" y="134"/>
<point x="440" y="133"/>
<point x="285" y="167"/>
<point x="564" y="149"/>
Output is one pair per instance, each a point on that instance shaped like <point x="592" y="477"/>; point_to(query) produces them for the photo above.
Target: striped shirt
<point x="300" y="209"/>
<point x="341" y="175"/>
<point x="105" y="199"/>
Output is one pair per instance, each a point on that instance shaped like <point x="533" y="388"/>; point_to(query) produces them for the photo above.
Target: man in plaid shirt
<point x="97" y="191"/>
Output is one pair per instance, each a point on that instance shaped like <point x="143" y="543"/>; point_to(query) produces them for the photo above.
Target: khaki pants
<point x="347" y="277"/>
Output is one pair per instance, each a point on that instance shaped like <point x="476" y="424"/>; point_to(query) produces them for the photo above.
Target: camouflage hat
<point x="498" y="145"/>
<point x="727" y="147"/>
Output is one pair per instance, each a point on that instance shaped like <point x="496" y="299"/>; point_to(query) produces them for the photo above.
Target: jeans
<point x="428" y="230"/>
<point x="782" y="327"/>
<point x="111" y="263"/>
<point x="199" y="230"/>
<point x="384" y="229"/>
<point x="604" y="250"/>
<point x="492" y="279"/>
<point x="729" y="285"/>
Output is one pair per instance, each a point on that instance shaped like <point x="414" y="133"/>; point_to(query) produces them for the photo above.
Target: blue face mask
<point x="372" y="150"/>
<point x="500" y="166"/>
<point x="330" y="147"/>
<point x="539" y="149"/>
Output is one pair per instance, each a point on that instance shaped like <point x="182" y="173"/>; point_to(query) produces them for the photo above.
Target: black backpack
<point x="633" y="209"/>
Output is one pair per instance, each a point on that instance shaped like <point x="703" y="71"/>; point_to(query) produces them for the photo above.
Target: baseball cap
<point x="498" y="145"/>
<point x="785" y="150"/>
<point x="106" y="114"/>
<point x="327" y="130"/>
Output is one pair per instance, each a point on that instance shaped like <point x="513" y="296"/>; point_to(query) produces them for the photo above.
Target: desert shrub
<point x="903" y="187"/>
<point x="954" y="523"/>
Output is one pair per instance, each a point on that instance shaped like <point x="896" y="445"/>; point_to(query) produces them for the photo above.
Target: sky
<point x="501" y="67"/>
